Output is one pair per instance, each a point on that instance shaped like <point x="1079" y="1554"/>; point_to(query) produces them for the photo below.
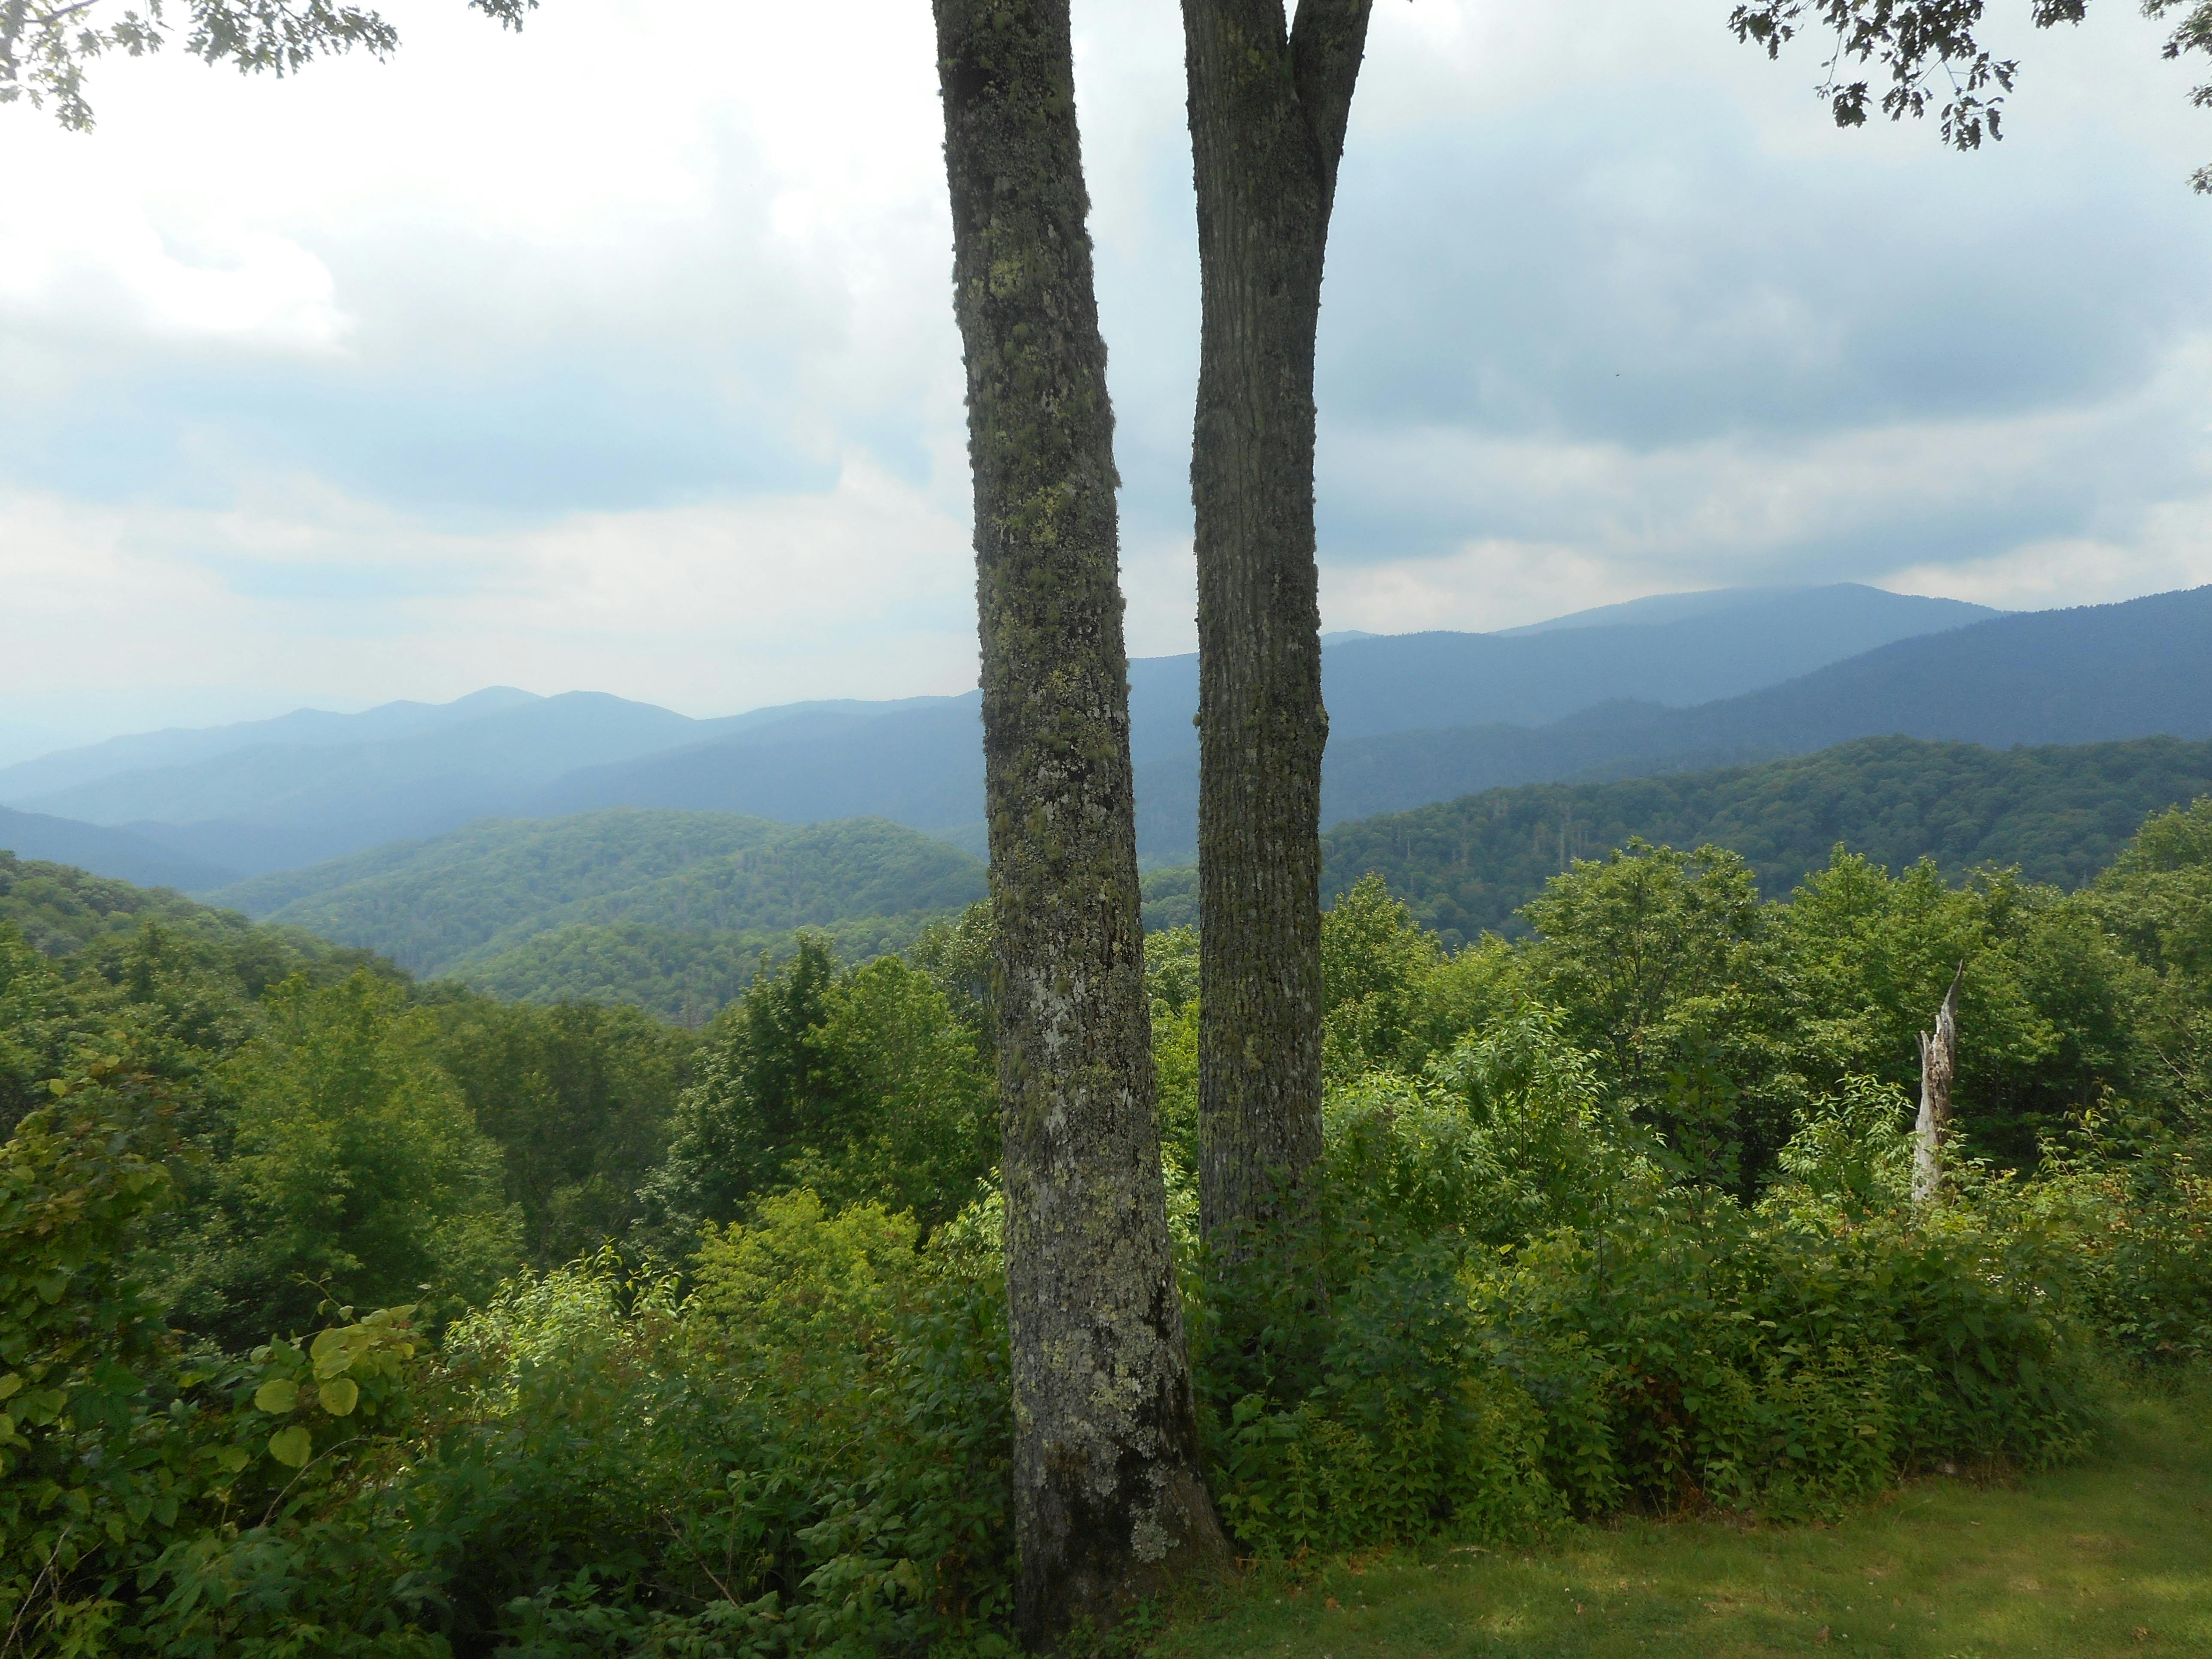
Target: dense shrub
<point x="1768" y="1363"/>
<point x="1505" y="1314"/>
<point x="2137" y="1231"/>
<point x="155" y="1497"/>
<point x="811" y="1450"/>
<point x="348" y="1168"/>
<point x="1614" y="1220"/>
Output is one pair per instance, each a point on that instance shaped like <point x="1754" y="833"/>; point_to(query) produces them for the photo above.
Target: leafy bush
<point x="1853" y="1152"/>
<point x="1760" y="1361"/>
<point x="813" y="1451"/>
<point x="2133" y="1209"/>
<point x="163" y="1498"/>
<point x="1505" y="1313"/>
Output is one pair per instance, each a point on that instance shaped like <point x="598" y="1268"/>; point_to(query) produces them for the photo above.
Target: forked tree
<point x="1269" y="101"/>
<point x="1270" y="97"/>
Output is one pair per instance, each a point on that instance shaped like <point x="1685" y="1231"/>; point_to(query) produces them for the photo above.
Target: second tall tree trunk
<point x="1268" y="106"/>
<point x="1108" y="1499"/>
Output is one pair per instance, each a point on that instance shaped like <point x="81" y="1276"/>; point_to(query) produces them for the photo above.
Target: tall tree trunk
<point x="1268" y="107"/>
<point x="1939" y="1069"/>
<point x="1108" y="1499"/>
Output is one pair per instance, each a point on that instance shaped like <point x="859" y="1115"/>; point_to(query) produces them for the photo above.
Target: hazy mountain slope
<point x="2084" y="675"/>
<point x="340" y="783"/>
<point x="926" y="768"/>
<point x="2060" y="813"/>
<point x="513" y="747"/>
<point x="2090" y="674"/>
<point x="1676" y="649"/>
<point x="2093" y="674"/>
<point x="438" y="906"/>
<point x="278" y="794"/>
<point x="922" y="766"/>
<point x="302" y="728"/>
<point x="1430" y="680"/>
<point x="1658" y="608"/>
<point x="117" y="853"/>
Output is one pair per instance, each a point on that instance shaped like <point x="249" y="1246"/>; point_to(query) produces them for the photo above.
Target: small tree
<point x="356" y="1172"/>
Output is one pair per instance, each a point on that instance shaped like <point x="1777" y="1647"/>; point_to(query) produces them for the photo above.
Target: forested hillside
<point x="60" y="911"/>
<point x="2060" y="813"/>
<point x="311" y="1324"/>
<point x="668" y="910"/>
<point x="679" y="974"/>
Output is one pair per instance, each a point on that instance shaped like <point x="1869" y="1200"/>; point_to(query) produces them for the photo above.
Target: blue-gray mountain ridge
<point x="1461" y="710"/>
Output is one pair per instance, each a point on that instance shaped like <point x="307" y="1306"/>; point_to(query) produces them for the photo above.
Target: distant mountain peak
<point x="1660" y="609"/>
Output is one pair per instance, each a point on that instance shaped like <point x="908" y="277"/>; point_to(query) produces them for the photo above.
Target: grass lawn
<point x="2113" y="1556"/>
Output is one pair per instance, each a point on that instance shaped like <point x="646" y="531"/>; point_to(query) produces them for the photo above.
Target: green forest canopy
<point x="669" y="910"/>
<point x="1613" y="1221"/>
<point x="2061" y="813"/>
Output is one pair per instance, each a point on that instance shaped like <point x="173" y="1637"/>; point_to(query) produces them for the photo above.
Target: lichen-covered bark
<point x="1268" y="107"/>
<point x="1107" y="1500"/>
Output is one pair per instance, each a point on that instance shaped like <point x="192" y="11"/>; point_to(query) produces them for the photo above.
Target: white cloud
<point x="1482" y="586"/>
<point x="863" y="590"/>
<point x="619" y="354"/>
<point x="2172" y="548"/>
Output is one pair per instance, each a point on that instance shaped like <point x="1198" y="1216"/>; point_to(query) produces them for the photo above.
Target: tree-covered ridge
<point x="2060" y="813"/>
<point x="676" y="975"/>
<point x="58" y="910"/>
<point x="465" y="902"/>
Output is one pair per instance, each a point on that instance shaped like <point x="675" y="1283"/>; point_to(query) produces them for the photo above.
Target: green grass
<point x="2111" y="1556"/>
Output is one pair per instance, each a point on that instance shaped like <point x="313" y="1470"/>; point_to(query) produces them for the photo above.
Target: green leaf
<point x="339" y="1395"/>
<point x="290" y="1447"/>
<point x="277" y="1395"/>
<point x="231" y="1459"/>
<point x="333" y="1352"/>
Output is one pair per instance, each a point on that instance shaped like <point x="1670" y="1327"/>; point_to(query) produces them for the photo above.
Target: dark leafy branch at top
<point x="1931" y="51"/>
<point x="46" y="45"/>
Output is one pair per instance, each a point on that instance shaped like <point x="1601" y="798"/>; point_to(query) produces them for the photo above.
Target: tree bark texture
<point x="1939" y="1069"/>
<point x="1109" y="1503"/>
<point x="1268" y="106"/>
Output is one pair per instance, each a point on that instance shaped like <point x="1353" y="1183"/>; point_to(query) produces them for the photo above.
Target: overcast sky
<point x="619" y="354"/>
